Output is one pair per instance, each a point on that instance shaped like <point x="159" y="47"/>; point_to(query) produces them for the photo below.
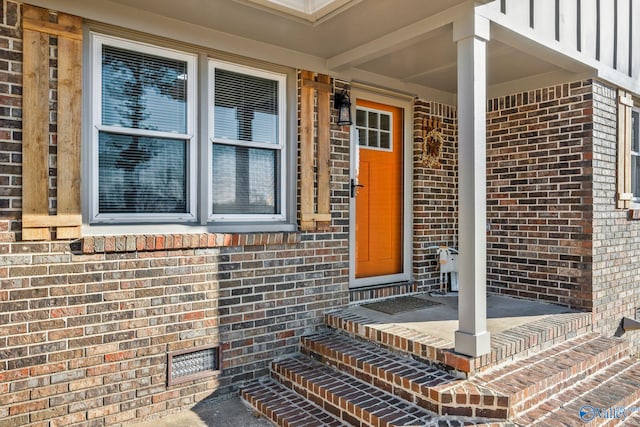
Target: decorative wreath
<point x="432" y="143"/>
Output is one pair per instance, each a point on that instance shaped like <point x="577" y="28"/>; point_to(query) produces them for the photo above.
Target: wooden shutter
<point x="623" y="193"/>
<point x="315" y="87"/>
<point x="36" y="221"/>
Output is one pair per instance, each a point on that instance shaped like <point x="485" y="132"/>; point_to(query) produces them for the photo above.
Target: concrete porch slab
<point x="442" y="320"/>
<point x="518" y="328"/>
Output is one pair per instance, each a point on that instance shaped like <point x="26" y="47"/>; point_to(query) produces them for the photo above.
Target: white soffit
<point x="313" y="11"/>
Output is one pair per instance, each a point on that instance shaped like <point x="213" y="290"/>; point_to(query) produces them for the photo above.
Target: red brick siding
<point x="539" y="194"/>
<point x="435" y="194"/>
<point x="10" y="109"/>
<point x="360" y="295"/>
<point x="86" y="325"/>
<point x="85" y="335"/>
<point x="616" y="239"/>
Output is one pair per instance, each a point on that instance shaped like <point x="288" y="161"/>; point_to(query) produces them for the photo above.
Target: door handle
<point x="353" y="187"/>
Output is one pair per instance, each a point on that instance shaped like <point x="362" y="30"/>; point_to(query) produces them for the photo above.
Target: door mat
<point x="400" y="305"/>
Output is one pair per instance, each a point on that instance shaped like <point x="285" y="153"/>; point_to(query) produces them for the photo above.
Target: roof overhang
<point x="405" y="46"/>
<point x="313" y="11"/>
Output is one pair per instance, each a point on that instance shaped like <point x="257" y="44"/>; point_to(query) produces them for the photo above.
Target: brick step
<point x="518" y="342"/>
<point x="616" y="386"/>
<point x="286" y="408"/>
<point x="424" y="385"/>
<point x="354" y="401"/>
<point x="392" y="336"/>
<point x="527" y="382"/>
<point x="500" y="393"/>
<point x="632" y="418"/>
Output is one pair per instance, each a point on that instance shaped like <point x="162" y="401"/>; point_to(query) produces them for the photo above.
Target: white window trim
<point x="635" y="200"/>
<point x="379" y="130"/>
<point x="280" y="146"/>
<point x="190" y="137"/>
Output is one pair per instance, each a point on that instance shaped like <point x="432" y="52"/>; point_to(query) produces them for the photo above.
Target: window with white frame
<point x="374" y="129"/>
<point x="143" y="135"/>
<point x="635" y="154"/>
<point x="247" y="142"/>
<point x="145" y="152"/>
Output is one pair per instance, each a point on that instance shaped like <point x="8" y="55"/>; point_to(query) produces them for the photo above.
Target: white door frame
<point x="406" y="104"/>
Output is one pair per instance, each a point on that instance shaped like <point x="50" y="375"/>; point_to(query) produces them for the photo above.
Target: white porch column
<point x="471" y="33"/>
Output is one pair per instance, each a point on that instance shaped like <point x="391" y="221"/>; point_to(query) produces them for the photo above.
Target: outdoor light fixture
<point x="343" y="105"/>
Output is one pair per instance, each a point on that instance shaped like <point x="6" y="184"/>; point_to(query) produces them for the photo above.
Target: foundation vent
<point x="192" y="364"/>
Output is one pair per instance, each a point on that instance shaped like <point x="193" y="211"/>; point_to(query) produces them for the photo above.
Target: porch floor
<point x="441" y="320"/>
<point x="518" y="328"/>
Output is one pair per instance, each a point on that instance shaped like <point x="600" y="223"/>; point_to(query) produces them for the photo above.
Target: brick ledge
<point x="159" y="242"/>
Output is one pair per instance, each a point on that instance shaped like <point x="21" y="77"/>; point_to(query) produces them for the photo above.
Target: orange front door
<point x="379" y="198"/>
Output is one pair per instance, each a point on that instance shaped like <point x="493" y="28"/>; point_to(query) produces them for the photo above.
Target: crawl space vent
<point x="192" y="364"/>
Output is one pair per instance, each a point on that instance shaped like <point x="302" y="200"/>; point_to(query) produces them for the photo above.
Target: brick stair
<point x="336" y="395"/>
<point x="532" y="380"/>
<point x="386" y="380"/>
<point x="514" y="343"/>
<point x="285" y="407"/>
<point x="500" y="393"/>
<point x="353" y="401"/>
<point x="616" y="386"/>
<point x="424" y="385"/>
<point x="632" y="418"/>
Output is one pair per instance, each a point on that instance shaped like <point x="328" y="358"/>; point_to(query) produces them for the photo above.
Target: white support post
<point x="471" y="33"/>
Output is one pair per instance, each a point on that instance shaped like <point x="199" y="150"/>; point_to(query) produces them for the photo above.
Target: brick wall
<point x="85" y="326"/>
<point x="539" y="194"/>
<point x="10" y="108"/>
<point x="616" y="239"/>
<point x="435" y="194"/>
<point x="85" y="331"/>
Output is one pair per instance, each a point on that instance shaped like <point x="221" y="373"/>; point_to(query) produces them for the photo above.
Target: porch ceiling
<point x="402" y="45"/>
<point x="358" y="23"/>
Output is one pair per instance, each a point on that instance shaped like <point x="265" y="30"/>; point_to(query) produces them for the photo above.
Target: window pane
<point x="373" y="139"/>
<point x="361" y="118"/>
<point x="385" y="140"/>
<point x="142" y="175"/>
<point x="362" y="137"/>
<point x="244" y="180"/>
<point x="635" y="135"/>
<point x="635" y="176"/>
<point x="385" y="122"/>
<point x="373" y="120"/>
<point x="143" y="91"/>
<point x="246" y="107"/>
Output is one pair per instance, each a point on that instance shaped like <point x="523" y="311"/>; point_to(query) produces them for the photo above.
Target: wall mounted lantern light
<point x="343" y="105"/>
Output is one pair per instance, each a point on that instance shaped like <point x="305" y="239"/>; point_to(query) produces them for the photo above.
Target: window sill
<point x="163" y="242"/>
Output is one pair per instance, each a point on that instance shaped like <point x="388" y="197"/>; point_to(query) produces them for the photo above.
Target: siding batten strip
<point x="312" y="88"/>
<point x="324" y="149"/>
<point x="35" y="146"/>
<point x="37" y="30"/>
<point x="306" y="154"/>
<point x="69" y="112"/>
<point x="624" y="149"/>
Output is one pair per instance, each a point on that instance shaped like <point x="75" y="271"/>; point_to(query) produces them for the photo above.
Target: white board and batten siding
<point x="604" y="34"/>
<point x="568" y="24"/>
